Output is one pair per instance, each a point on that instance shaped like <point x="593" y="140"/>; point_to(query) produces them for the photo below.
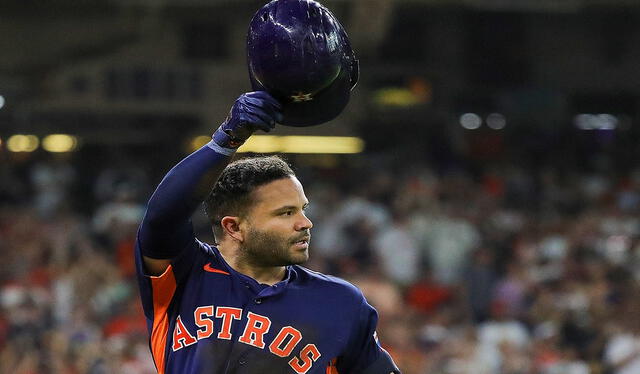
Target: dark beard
<point x="266" y="249"/>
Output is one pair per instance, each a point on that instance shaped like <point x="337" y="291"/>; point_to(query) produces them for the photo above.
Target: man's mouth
<point x="302" y="241"/>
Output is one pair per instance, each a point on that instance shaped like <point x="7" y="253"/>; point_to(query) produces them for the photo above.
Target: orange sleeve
<point x="163" y="287"/>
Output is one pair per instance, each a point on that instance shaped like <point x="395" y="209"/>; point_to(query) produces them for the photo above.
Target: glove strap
<point x="223" y="139"/>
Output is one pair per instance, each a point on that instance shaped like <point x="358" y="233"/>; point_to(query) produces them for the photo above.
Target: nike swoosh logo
<point x="208" y="268"/>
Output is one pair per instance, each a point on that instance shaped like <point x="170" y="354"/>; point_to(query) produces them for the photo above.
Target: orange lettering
<point x="255" y="329"/>
<point x="181" y="336"/>
<point x="308" y="355"/>
<point x="284" y="333"/>
<point x="228" y="314"/>
<point x="199" y="316"/>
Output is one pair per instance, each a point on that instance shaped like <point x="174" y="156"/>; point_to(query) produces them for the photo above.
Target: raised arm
<point x="166" y="227"/>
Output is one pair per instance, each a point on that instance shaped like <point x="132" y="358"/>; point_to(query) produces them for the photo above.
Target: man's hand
<point x="252" y="111"/>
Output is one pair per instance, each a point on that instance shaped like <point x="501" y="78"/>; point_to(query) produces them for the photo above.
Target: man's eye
<point x="287" y="213"/>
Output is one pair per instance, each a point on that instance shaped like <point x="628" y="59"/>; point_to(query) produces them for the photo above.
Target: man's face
<point x="276" y="228"/>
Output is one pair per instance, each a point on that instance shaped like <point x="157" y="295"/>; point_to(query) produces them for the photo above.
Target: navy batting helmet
<point x="298" y="51"/>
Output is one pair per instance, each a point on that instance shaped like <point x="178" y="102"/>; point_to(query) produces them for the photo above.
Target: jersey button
<point x="258" y="301"/>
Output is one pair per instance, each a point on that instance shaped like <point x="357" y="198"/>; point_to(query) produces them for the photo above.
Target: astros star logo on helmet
<point x="301" y="96"/>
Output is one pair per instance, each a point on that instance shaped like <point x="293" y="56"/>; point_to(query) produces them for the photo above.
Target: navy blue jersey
<point x="204" y="317"/>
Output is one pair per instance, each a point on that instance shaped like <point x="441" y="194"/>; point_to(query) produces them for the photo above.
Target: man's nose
<point x="304" y="223"/>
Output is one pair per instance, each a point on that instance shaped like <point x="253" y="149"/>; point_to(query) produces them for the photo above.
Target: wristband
<point x="220" y="149"/>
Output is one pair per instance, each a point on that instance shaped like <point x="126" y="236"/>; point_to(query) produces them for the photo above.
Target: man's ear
<point x="231" y="226"/>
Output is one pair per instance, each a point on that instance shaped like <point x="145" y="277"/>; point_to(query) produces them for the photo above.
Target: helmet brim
<point x="310" y="111"/>
<point x="324" y="106"/>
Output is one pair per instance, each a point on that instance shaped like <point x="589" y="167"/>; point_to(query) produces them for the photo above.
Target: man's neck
<point x="265" y="275"/>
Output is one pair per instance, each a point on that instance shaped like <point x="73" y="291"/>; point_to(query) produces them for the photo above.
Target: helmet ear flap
<point x="300" y="53"/>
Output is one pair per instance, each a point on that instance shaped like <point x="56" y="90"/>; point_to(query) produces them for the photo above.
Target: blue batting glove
<point x="252" y="111"/>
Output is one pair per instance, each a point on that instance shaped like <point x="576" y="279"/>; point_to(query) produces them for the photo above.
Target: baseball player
<point x="245" y="305"/>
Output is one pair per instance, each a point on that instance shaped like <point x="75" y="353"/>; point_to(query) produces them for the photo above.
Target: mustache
<point x="304" y="236"/>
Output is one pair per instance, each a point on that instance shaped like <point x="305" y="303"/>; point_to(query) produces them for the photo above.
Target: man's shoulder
<point x="329" y="282"/>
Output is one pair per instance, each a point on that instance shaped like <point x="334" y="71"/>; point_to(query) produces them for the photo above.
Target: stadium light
<point x="293" y="144"/>
<point x="321" y="144"/>
<point x="262" y="144"/>
<point x="496" y="121"/>
<point x="470" y="121"/>
<point x="22" y="143"/>
<point x="602" y="121"/>
<point x="58" y="143"/>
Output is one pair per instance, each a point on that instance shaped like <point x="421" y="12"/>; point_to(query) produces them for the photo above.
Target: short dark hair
<point x="231" y="195"/>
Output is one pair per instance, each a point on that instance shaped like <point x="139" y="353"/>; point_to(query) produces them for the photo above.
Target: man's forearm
<point x="165" y="226"/>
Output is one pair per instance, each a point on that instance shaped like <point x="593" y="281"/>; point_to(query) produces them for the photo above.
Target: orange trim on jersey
<point x="163" y="287"/>
<point x="331" y="368"/>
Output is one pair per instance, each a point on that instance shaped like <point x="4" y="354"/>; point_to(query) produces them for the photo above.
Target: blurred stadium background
<point x="484" y="193"/>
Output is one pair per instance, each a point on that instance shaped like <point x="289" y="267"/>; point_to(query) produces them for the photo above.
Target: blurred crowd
<point x="498" y="270"/>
